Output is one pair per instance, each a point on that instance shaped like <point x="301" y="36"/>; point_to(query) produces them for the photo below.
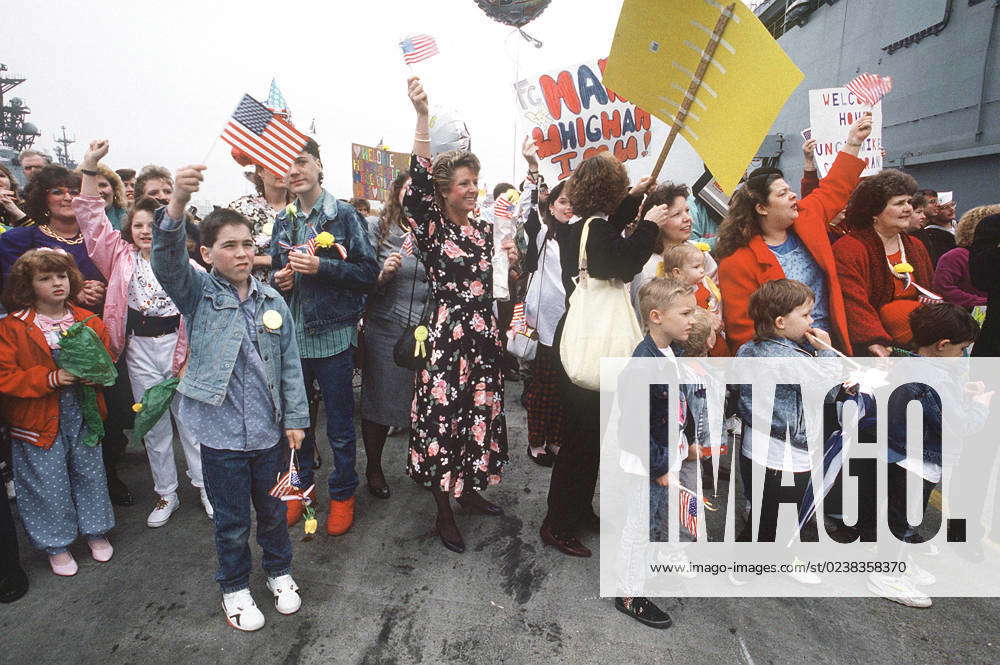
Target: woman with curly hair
<point x="770" y="234"/>
<point x="599" y="194"/>
<point x="885" y="273"/>
<point x="951" y="275"/>
<point x="48" y="202"/>
<point x="458" y="441"/>
<point x="399" y="301"/>
<point x="10" y="205"/>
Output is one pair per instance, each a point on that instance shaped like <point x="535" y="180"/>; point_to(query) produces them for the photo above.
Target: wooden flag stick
<point x="706" y="59"/>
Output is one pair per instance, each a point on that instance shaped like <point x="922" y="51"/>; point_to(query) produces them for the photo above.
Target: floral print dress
<point x="459" y="436"/>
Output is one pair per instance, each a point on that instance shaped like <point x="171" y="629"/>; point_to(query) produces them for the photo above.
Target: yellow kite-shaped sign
<point x="657" y="49"/>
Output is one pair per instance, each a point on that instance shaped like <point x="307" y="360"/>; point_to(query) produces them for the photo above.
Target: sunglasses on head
<point x="63" y="191"/>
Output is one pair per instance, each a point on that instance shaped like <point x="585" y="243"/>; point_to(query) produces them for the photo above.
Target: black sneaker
<point x="14" y="586"/>
<point x="644" y="611"/>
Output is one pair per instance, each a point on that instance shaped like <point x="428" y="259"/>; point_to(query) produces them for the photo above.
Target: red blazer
<point x="746" y="269"/>
<point x="30" y="398"/>
<point x="868" y="285"/>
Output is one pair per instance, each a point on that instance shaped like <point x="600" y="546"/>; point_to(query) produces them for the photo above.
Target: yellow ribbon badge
<point x="703" y="246"/>
<point x="420" y="334"/>
<point x="325" y="240"/>
<point x="272" y="319"/>
<point x="902" y="268"/>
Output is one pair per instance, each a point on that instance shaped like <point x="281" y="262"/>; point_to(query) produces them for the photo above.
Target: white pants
<point x="149" y="362"/>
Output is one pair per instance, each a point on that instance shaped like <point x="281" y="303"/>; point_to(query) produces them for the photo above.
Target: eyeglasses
<point x="62" y="191"/>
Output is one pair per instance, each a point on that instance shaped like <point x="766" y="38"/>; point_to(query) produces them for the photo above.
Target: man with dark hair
<point x="938" y="234"/>
<point x="361" y="205"/>
<point x="325" y="282"/>
<point x="501" y="188"/>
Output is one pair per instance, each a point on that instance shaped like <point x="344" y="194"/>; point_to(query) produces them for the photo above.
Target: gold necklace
<point x="76" y="240"/>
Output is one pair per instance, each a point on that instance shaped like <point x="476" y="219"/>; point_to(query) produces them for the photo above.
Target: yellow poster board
<point x="656" y="51"/>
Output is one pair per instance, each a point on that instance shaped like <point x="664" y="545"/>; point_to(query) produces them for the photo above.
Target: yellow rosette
<point x="325" y="240"/>
<point x="420" y="335"/>
<point x="703" y="246"/>
<point x="291" y="211"/>
<point x="902" y="268"/>
<point x="137" y="407"/>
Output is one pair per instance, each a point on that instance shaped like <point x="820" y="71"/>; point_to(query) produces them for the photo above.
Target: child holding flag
<point x="241" y="394"/>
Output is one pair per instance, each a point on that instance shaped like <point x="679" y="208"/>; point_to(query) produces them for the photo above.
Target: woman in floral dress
<point x="458" y="445"/>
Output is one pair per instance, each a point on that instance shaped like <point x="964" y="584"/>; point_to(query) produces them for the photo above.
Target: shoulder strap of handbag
<point x="583" y="242"/>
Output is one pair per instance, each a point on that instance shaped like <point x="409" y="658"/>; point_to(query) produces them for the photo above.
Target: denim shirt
<point x="335" y="295"/>
<point x="243" y="421"/>
<point x="217" y="329"/>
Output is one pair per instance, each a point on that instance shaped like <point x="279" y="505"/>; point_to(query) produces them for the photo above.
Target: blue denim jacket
<point x="662" y="447"/>
<point x="336" y="294"/>
<point x="216" y="328"/>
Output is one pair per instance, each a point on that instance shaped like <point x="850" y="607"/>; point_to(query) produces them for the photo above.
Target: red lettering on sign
<point x="547" y="146"/>
<point x="611" y="126"/>
<point x="560" y="91"/>
<point x="562" y="161"/>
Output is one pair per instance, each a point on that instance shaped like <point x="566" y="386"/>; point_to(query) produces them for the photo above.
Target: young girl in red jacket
<point x="61" y="487"/>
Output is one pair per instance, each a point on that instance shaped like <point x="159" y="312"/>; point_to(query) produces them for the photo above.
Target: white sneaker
<point x="165" y="507"/>
<point x="241" y="612"/>
<point x="206" y="504"/>
<point x="803" y="576"/>
<point x="918" y="575"/>
<point x="897" y="589"/>
<point x="286" y="594"/>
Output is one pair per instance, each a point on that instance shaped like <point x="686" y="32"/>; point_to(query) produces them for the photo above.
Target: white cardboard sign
<point x="832" y="111"/>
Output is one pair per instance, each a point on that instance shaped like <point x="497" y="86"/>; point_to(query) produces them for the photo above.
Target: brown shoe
<point x="341" y="517"/>
<point x="565" y="544"/>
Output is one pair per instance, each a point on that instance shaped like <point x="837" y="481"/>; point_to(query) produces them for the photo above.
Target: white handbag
<point x="600" y="323"/>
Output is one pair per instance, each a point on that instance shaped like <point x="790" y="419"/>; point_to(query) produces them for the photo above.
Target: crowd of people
<point x="265" y="308"/>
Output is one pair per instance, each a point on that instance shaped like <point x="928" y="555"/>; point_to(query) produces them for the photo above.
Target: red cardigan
<point x="746" y="269"/>
<point x="867" y="284"/>
<point x="30" y="397"/>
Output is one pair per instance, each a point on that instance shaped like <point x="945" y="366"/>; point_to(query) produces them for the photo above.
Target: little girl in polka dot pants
<point x="61" y="487"/>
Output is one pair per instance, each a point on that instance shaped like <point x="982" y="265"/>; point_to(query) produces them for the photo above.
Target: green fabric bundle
<point x="84" y="355"/>
<point x="155" y="402"/>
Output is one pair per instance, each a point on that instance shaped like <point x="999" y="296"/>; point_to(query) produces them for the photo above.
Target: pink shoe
<point x="101" y="549"/>
<point x="63" y="564"/>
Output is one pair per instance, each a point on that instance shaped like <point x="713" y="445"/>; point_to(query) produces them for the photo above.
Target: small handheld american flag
<point x="870" y="88"/>
<point x="288" y="487"/>
<point x="503" y="208"/>
<point x="519" y="322"/>
<point x="269" y="140"/>
<point x="417" y="48"/>
<point x="408" y="244"/>
<point x="689" y="510"/>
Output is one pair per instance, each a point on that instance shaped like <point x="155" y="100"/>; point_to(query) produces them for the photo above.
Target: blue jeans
<point x="235" y="479"/>
<point x="334" y="375"/>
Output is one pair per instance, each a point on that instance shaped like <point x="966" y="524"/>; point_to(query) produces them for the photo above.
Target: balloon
<point x="517" y="13"/>
<point x="448" y="132"/>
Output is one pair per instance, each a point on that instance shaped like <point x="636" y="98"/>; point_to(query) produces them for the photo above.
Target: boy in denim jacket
<point x="242" y="392"/>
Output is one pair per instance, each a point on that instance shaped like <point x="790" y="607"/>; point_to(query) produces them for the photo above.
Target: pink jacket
<point x="115" y="258"/>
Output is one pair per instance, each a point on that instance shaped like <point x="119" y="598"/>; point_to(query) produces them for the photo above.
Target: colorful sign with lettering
<point x="571" y="115"/>
<point x="832" y="111"/>
<point x="655" y="54"/>
<point x="374" y="170"/>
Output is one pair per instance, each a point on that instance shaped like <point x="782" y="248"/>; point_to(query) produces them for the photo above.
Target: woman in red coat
<point x="770" y="234"/>
<point x="885" y="272"/>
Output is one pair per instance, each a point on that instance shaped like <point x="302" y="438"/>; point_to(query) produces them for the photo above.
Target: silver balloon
<point x="448" y="132"/>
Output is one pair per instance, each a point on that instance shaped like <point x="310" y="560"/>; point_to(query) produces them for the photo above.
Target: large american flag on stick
<point x="270" y="140"/>
<point x="870" y="88"/>
<point x="417" y="48"/>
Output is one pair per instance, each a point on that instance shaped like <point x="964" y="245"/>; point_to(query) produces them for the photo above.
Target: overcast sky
<point x="159" y="79"/>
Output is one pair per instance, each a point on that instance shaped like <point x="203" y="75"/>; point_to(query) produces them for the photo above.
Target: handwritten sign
<point x="374" y="170"/>
<point x="832" y="111"/>
<point x="571" y="116"/>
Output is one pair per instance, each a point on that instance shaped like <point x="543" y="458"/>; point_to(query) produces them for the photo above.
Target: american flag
<point x="518" y="322"/>
<point x="270" y="140"/>
<point x="408" y="244"/>
<point x="689" y="510"/>
<point x="503" y="208"/>
<point x="308" y="247"/>
<point x="417" y="48"/>
<point x="870" y="88"/>
<point x="283" y="485"/>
